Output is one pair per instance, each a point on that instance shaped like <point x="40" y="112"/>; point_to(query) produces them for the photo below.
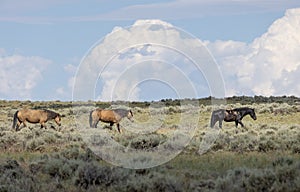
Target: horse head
<point x="130" y="115"/>
<point x="252" y="114"/>
<point x="57" y="119"/>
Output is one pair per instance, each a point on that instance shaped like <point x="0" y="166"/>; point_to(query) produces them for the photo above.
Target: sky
<point x="148" y="50"/>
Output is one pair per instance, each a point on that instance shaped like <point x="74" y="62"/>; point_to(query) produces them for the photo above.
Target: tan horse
<point x="35" y="116"/>
<point x="109" y="116"/>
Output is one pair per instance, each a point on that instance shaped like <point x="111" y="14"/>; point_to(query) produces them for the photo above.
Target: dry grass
<point x="59" y="159"/>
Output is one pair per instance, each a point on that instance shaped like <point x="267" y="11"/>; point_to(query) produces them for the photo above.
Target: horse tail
<point x="91" y="118"/>
<point x="212" y="120"/>
<point x="15" y="119"/>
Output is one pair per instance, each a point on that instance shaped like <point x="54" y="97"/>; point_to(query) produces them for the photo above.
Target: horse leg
<point x="221" y="117"/>
<point x="240" y="122"/>
<point x="95" y="124"/>
<point x="111" y="124"/>
<point x="18" y="125"/>
<point x="118" y="126"/>
<point x="24" y="124"/>
<point x="237" y="122"/>
<point x="43" y="125"/>
<point x="212" y="121"/>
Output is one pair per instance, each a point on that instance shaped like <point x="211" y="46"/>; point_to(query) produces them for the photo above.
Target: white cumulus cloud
<point x="149" y="50"/>
<point x="19" y="75"/>
<point x="267" y="66"/>
<point x="154" y="49"/>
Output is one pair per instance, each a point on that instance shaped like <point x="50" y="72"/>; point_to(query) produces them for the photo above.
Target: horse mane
<point x="51" y="114"/>
<point x="121" y="112"/>
<point x="242" y="109"/>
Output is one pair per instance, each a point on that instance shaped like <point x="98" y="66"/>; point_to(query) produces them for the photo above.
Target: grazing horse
<point x="35" y="116"/>
<point x="109" y="116"/>
<point x="231" y="115"/>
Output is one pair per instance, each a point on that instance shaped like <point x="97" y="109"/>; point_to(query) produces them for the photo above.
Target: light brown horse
<point x="34" y="116"/>
<point x="109" y="116"/>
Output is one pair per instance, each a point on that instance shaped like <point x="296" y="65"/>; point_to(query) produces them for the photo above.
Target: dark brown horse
<point x="34" y="116"/>
<point x="109" y="116"/>
<point x="231" y="115"/>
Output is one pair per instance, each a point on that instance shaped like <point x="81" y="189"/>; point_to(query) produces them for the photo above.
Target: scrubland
<point x="262" y="156"/>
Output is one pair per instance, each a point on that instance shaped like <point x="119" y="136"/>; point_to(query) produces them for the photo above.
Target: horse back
<point x="27" y="115"/>
<point x="35" y="115"/>
<point x="230" y="115"/>
<point x="109" y="116"/>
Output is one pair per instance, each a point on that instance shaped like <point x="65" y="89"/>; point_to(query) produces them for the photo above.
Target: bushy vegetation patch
<point x="148" y="141"/>
<point x="262" y="156"/>
<point x="284" y="176"/>
<point x="73" y="170"/>
<point x="14" y="178"/>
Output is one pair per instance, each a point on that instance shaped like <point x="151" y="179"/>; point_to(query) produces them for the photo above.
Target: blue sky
<point x="42" y="44"/>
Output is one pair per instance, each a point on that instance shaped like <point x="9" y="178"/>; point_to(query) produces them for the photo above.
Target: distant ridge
<point x="244" y="100"/>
